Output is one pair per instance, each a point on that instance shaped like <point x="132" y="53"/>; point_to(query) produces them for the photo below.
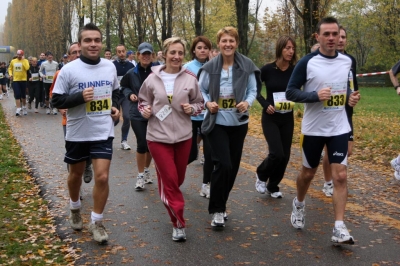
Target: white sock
<point x="74" y="205"/>
<point x="299" y="203"/>
<point x="329" y="183"/>
<point x="96" y="217"/>
<point x="338" y="223"/>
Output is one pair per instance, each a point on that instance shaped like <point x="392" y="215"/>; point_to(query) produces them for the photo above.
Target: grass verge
<point x="27" y="230"/>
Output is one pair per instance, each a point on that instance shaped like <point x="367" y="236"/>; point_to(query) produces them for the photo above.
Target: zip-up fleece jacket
<point x="177" y="126"/>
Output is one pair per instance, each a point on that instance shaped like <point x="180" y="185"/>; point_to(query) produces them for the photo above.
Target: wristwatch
<point x="395" y="87"/>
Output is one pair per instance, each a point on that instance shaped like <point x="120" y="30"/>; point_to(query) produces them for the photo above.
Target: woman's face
<point x="227" y="45"/>
<point x="145" y="59"/>
<point x="174" y="57"/>
<point x="288" y="51"/>
<point x="201" y="52"/>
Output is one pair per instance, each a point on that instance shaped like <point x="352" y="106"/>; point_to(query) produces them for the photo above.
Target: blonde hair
<point x="167" y="43"/>
<point x="232" y="31"/>
<point x="34" y="59"/>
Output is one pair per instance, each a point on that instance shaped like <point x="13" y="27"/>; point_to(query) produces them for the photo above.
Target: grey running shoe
<point x="260" y="185"/>
<point x="328" y="190"/>
<point x="18" y="112"/>
<point x="99" y="232"/>
<point x="297" y="217"/>
<point x="218" y="220"/>
<point x="396" y="168"/>
<point x="205" y="190"/>
<point x="125" y="146"/>
<point x="178" y="234"/>
<point x="147" y="178"/>
<point x="55" y="111"/>
<point x="276" y="195"/>
<point x="88" y="174"/>
<point x="139" y="183"/>
<point x="75" y="219"/>
<point x="24" y="111"/>
<point x="47" y="111"/>
<point x="342" y="236"/>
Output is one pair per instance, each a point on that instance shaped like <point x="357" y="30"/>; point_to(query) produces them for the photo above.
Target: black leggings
<point x="140" y="129"/>
<point x="278" y="131"/>
<point x="34" y="92"/>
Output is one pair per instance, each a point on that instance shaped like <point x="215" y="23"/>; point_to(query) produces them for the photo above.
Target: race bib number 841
<point x="101" y="104"/>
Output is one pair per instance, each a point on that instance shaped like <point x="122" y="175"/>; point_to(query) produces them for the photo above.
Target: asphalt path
<point x="258" y="231"/>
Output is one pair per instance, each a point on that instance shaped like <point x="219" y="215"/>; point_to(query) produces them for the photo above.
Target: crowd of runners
<point x="172" y="106"/>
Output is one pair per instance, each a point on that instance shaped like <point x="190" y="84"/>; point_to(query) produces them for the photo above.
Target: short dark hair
<point x="343" y="28"/>
<point x="326" y="20"/>
<point x="69" y="47"/>
<point x="196" y="40"/>
<point x="120" y="44"/>
<point x="107" y="50"/>
<point x="89" y="26"/>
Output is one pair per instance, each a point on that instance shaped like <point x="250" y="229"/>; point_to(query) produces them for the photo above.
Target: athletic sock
<point x="338" y="223"/>
<point x="96" y="217"/>
<point x="299" y="203"/>
<point x="74" y="205"/>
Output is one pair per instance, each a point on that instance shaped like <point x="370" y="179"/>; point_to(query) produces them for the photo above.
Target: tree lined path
<point x="258" y="231"/>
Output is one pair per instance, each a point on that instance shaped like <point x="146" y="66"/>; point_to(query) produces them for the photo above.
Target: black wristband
<point x="395" y="87"/>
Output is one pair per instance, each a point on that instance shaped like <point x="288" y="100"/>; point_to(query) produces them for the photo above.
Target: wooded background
<point x="372" y="25"/>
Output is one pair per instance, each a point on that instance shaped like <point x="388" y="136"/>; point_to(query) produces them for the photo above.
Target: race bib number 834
<point x="101" y="104"/>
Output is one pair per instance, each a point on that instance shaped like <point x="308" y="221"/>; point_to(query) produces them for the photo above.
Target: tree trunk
<point x="242" y="16"/>
<point x="108" y="18"/>
<point x="197" y="17"/>
<point x="120" y="22"/>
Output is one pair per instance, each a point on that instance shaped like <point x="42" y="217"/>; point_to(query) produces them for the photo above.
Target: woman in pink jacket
<point x="168" y="97"/>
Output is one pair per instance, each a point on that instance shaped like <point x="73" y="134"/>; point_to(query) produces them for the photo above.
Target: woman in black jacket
<point x="130" y="86"/>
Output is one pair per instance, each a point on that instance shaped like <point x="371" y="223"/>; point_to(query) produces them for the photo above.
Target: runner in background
<point x="395" y="163"/>
<point x="18" y="73"/>
<point x="34" y="85"/>
<point x="107" y="54"/>
<point x="277" y="117"/>
<point x="3" y="80"/>
<point x="47" y="71"/>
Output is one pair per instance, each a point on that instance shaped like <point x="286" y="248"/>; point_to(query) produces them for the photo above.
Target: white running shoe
<point x="218" y="220"/>
<point x="18" y="112"/>
<point x="139" y="183"/>
<point x="396" y="168"/>
<point x="55" y="111"/>
<point x="260" y="186"/>
<point x="178" y="234"/>
<point x="342" y="236"/>
<point x="205" y="190"/>
<point x="297" y="217"/>
<point x="276" y="195"/>
<point x="147" y="178"/>
<point x="24" y="111"/>
<point x="47" y="111"/>
<point x="99" y="232"/>
<point x="328" y="189"/>
<point x="125" y="146"/>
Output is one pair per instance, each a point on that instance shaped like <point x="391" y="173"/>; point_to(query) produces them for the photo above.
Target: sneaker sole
<point x="336" y="242"/>
<point x="139" y="188"/>
<point x="181" y="239"/>
<point x="148" y="182"/>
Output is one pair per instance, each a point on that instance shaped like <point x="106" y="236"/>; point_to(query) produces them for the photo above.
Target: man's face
<point x="34" y="62"/>
<point x="90" y="44"/>
<point x="342" y="41"/>
<point x="74" y="52"/>
<point x="131" y="57"/>
<point x="50" y="57"/>
<point x="121" y="52"/>
<point x="19" y="56"/>
<point x="107" y="55"/>
<point x="159" y="56"/>
<point x="328" y="38"/>
<point x="42" y="56"/>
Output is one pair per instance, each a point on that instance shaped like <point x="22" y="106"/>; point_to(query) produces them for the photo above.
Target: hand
<point x="242" y="106"/>
<point x="354" y="98"/>
<point x="187" y="108"/>
<point x="30" y="79"/>
<point x="88" y="94"/>
<point x="212" y="107"/>
<point x="270" y="109"/>
<point x="324" y="94"/>
<point x="398" y="91"/>
<point x="133" y="98"/>
<point x="147" y="112"/>
<point x="63" y="111"/>
<point x="114" y="113"/>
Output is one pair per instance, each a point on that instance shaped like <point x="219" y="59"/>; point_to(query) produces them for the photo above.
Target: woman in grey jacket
<point x="229" y="84"/>
<point x="167" y="98"/>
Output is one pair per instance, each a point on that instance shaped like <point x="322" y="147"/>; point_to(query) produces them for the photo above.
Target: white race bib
<point x="101" y="104"/>
<point x="18" y="67"/>
<point x="338" y="96"/>
<point x="282" y="105"/>
<point x="226" y="101"/>
<point x="35" y="76"/>
<point x="1" y="75"/>
<point x="164" y="112"/>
